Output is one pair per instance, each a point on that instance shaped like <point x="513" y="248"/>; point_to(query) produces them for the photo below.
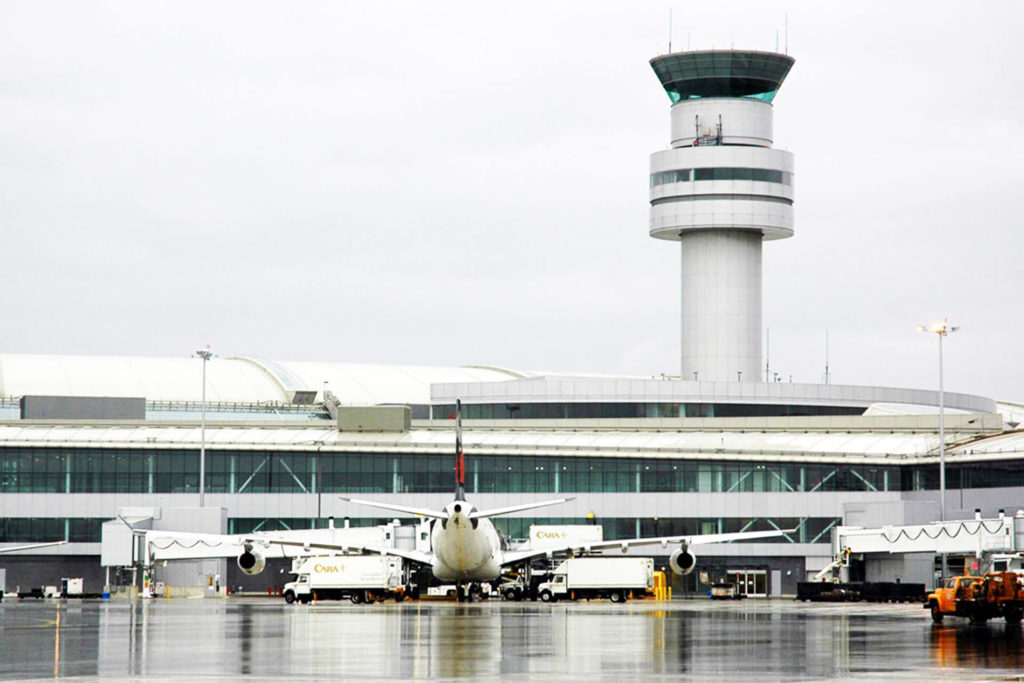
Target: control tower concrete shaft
<point x="719" y="191"/>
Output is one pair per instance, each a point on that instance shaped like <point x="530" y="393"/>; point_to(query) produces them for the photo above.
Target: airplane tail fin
<point x="460" y="460"/>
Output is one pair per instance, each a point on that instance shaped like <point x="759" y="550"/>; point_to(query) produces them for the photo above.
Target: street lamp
<point x="205" y="354"/>
<point x="941" y="330"/>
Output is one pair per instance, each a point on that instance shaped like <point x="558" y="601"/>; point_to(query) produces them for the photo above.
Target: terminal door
<point x="751" y="582"/>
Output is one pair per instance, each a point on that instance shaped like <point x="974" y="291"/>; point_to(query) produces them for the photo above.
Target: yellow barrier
<point x="661" y="591"/>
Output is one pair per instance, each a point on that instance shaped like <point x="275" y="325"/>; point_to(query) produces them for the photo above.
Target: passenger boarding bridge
<point x="978" y="537"/>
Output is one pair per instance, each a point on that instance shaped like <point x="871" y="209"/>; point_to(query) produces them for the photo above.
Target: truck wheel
<point x="546" y="596"/>
<point x="978" y="619"/>
<point x="356" y="598"/>
<point x="304" y="599"/>
<point x="617" y="597"/>
<point x="399" y="597"/>
<point x="289" y="597"/>
<point x="1013" y="617"/>
<point x="936" y="613"/>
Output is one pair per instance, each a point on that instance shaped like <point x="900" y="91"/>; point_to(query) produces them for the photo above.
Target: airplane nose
<point x="457" y="508"/>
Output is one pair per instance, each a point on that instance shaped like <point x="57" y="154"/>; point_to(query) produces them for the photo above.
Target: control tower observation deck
<point x="719" y="191"/>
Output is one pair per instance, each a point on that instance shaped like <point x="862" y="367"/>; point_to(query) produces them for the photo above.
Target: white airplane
<point x="18" y="548"/>
<point x="467" y="549"/>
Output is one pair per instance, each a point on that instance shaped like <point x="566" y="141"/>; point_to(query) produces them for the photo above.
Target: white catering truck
<point x="360" y="578"/>
<point x="615" y="578"/>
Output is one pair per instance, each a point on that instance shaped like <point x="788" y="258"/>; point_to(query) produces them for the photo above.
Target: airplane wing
<point x="514" y="556"/>
<point x="420" y="512"/>
<point x="496" y="512"/>
<point x="31" y="547"/>
<point x="413" y="555"/>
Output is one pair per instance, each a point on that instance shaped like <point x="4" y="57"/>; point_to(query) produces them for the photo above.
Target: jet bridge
<point x="955" y="537"/>
<point x="892" y="551"/>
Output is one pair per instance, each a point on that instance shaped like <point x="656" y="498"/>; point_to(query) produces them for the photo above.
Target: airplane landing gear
<point x="469" y="592"/>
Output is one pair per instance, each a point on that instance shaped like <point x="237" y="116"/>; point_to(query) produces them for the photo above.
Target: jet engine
<point x="251" y="561"/>
<point x="682" y="561"/>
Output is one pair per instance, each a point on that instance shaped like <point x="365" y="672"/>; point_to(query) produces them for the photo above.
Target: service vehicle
<point x="518" y="588"/>
<point x="449" y="590"/>
<point x="724" y="590"/>
<point x="360" y="578"/>
<point x="980" y="598"/>
<point x="585" y="578"/>
<point x="513" y="589"/>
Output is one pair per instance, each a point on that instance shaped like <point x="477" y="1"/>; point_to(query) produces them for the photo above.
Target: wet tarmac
<point x="682" y="639"/>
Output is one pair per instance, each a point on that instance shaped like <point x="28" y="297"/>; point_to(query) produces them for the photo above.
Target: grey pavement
<point x="693" y="639"/>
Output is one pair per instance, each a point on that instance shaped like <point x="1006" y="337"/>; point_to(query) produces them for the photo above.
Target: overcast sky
<point x="466" y="183"/>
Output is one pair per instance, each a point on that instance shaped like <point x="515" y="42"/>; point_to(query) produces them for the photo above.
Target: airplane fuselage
<point x="465" y="549"/>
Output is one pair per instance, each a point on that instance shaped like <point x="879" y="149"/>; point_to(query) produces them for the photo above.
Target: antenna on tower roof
<point x="670" y="30"/>
<point x="787" y="33"/>
<point x="826" y="356"/>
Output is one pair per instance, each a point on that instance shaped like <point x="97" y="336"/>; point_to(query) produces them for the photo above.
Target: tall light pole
<point x="205" y="354"/>
<point x="941" y="330"/>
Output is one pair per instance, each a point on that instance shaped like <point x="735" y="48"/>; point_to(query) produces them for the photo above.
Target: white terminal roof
<point x="248" y="380"/>
<point x="233" y="380"/>
<point x="882" y="437"/>
<point x="883" y="440"/>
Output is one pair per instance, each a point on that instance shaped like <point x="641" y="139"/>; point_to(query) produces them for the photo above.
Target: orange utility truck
<point x="980" y="598"/>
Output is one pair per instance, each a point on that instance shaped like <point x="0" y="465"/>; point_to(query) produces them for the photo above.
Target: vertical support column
<point x="720" y="302"/>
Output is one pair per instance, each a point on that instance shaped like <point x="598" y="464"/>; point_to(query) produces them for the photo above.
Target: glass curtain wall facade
<point x="111" y="470"/>
<point x="586" y="411"/>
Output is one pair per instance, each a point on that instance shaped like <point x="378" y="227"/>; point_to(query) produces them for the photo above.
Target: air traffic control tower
<point x="719" y="191"/>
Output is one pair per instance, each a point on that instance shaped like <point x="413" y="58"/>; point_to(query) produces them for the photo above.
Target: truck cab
<point x="298" y="589"/>
<point x="558" y="585"/>
<point x="943" y="600"/>
<point x="513" y="590"/>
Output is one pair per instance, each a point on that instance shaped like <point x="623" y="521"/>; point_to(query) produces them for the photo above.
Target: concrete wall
<point x="29" y="572"/>
<point x="790" y="571"/>
<point x="82" y="408"/>
<point x="961" y="503"/>
<point x="905" y="567"/>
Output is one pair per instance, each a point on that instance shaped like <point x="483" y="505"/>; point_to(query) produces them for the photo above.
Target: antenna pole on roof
<point x="670" y="30"/>
<point x="205" y="354"/>
<point x="826" y="356"/>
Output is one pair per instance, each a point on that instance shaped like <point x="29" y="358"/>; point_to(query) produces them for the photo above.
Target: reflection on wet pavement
<point x="695" y="638"/>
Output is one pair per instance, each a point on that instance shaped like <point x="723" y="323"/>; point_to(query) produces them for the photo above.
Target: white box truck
<point x="360" y="578"/>
<point x="584" y="578"/>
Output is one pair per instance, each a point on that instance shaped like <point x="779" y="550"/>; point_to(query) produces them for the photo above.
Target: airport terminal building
<point x="805" y="457"/>
<point x="716" y="447"/>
